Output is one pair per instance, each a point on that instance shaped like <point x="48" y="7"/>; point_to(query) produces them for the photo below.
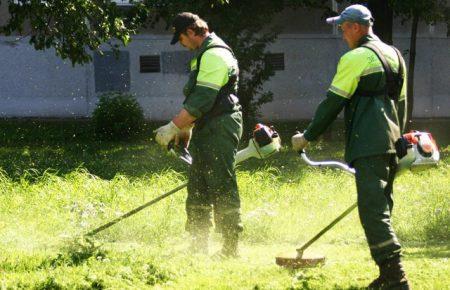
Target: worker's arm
<point x="343" y="86"/>
<point x="183" y="119"/>
<point x="326" y="113"/>
<point x="212" y="75"/>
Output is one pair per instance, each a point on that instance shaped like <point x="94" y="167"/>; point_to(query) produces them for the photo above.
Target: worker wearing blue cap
<point x="369" y="85"/>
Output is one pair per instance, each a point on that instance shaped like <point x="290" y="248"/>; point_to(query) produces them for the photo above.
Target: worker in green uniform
<point x="375" y="118"/>
<point x="211" y="114"/>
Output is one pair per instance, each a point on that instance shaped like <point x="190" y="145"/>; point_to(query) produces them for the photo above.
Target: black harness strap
<point x="394" y="81"/>
<point x="225" y="99"/>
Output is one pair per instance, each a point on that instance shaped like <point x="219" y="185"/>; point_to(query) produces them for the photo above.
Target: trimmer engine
<point x="264" y="143"/>
<point x="417" y="150"/>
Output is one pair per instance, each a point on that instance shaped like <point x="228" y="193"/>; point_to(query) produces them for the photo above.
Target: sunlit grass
<point x="45" y="209"/>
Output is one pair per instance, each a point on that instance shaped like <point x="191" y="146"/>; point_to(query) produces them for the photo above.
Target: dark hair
<point x="200" y="27"/>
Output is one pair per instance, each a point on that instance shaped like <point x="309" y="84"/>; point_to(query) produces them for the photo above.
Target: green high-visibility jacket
<point x="216" y="67"/>
<point x="373" y="123"/>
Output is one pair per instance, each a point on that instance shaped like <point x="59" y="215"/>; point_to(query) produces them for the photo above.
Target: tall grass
<point x="50" y="196"/>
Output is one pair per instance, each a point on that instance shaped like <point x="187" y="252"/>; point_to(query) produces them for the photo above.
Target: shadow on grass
<point x="29" y="147"/>
<point x="104" y="160"/>
<point x="61" y="146"/>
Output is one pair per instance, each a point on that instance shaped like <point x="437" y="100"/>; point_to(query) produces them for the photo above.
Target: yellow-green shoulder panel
<point x="215" y="67"/>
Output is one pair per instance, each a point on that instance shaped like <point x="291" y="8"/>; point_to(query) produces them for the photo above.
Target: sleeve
<point x="326" y="113"/>
<point x="349" y="71"/>
<point x="344" y="84"/>
<point x="212" y="76"/>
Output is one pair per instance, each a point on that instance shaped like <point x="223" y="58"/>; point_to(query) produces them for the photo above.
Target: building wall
<point x="311" y="63"/>
<point x="39" y="84"/>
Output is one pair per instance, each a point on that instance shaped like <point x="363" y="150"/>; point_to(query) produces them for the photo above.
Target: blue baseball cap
<point x="353" y="13"/>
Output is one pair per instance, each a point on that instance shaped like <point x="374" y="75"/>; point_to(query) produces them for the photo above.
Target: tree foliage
<point x="429" y="11"/>
<point x="73" y="28"/>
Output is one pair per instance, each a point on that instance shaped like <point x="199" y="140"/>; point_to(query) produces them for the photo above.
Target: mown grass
<point x="53" y="189"/>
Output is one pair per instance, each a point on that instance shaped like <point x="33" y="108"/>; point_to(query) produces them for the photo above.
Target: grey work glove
<point x="299" y="142"/>
<point x="166" y="133"/>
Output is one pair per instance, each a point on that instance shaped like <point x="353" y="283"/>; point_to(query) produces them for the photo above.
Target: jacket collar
<point x="367" y="38"/>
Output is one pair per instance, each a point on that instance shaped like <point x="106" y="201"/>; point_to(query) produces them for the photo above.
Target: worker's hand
<point x="299" y="142"/>
<point x="184" y="136"/>
<point x="166" y="133"/>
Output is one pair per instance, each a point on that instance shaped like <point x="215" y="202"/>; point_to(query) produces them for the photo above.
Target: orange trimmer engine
<point x="417" y="150"/>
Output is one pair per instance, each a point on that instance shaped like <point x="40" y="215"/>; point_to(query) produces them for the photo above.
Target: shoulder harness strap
<point x="225" y="99"/>
<point x="394" y="82"/>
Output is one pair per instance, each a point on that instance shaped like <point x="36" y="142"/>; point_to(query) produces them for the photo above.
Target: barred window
<point x="150" y="63"/>
<point x="275" y="60"/>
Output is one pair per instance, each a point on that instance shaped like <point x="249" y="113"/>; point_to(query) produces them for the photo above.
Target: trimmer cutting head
<point x="295" y="260"/>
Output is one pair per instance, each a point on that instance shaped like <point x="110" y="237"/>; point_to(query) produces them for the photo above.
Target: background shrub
<point x="118" y="116"/>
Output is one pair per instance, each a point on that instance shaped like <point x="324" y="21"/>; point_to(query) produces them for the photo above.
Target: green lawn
<point x="57" y="183"/>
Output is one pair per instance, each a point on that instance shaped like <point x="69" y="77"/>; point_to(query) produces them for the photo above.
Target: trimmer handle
<point x="181" y="152"/>
<point x="334" y="164"/>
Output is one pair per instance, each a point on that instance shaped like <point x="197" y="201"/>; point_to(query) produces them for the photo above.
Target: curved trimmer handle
<point x="180" y="151"/>
<point x="334" y="164"/>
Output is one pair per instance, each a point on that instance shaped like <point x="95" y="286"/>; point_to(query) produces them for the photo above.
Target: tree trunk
<point x="383" y="15"/>
<point x="412" y="59"/>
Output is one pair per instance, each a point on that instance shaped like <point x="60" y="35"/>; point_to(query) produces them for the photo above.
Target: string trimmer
<point x="298" y="259"/>
<point x="264" y="143"/>
<point x="416" y="150"/>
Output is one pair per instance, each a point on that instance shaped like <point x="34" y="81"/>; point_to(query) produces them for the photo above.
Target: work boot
<point x="199" y="243"/>
<point x="392" y="276"/>
<point x="230" y="246"/>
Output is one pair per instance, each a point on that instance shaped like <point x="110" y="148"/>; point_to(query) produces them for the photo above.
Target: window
<point x="150" y="63"/>
<point x="275" y="60"/>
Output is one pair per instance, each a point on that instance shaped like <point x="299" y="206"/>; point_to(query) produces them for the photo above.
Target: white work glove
<point x="184" y="136"/>
<point x="166" y="133"/>
<point x="299" y="142"/>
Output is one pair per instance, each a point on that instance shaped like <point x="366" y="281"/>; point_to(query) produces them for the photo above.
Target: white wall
<point x="39" y="84"/>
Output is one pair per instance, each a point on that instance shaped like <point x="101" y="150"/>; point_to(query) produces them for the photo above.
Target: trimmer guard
<point x="294" y="261"/>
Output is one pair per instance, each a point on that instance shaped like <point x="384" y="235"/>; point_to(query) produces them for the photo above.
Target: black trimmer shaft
<point x="133" y="211"/>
